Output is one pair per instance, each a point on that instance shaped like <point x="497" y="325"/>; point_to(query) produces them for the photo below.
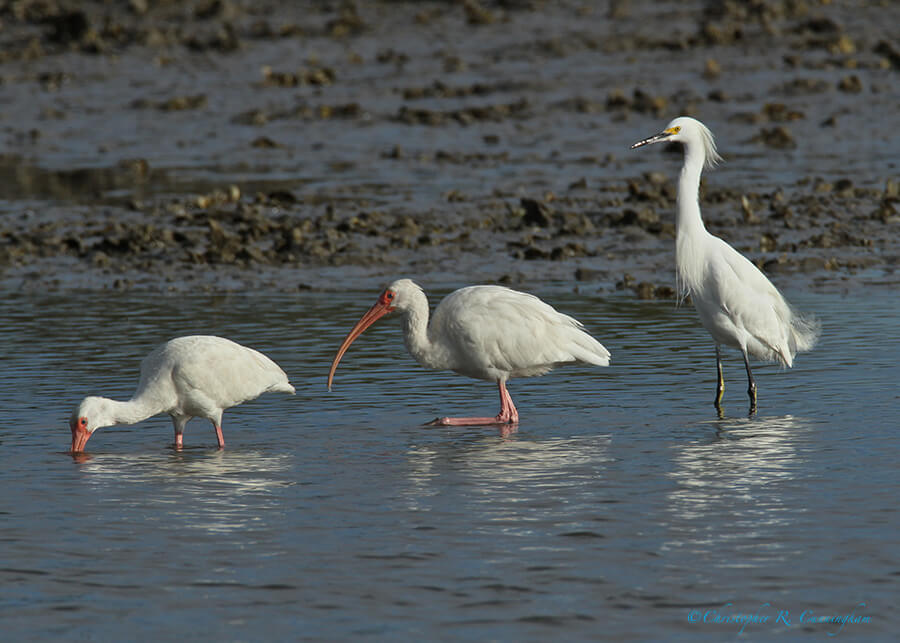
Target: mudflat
<point x="226" y="145"/>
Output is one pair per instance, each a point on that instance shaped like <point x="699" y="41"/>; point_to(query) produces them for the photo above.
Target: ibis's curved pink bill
<point x="381" y="308"/>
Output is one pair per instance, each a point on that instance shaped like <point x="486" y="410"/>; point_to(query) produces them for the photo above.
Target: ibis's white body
<point x="187" y="377"/>
<point x="495" y="333"/>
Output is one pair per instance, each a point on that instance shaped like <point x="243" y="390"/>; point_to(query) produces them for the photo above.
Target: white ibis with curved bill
<point x="187" y="377"/>
<point x="485" y="332"/>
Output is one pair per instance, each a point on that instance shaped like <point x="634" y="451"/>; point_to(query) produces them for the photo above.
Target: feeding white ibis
<point x="187" y="377"/>
<point x="485" y="332"/>
<point x="737" y="303"/>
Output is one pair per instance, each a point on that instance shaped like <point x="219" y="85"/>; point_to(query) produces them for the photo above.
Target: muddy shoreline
<point x="220" y="145"/>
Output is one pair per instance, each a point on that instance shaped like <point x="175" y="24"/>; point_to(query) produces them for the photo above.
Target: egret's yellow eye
<point x="673" y="130"/>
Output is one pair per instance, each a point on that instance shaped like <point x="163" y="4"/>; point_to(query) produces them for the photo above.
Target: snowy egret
<point x="737" y="303"/>
<point x="193" y="376"/>
<point x="485" y="332"/>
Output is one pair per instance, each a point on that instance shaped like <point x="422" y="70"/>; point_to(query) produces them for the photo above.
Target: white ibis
<point x="737" y="303"/>
<point x="485" y="332"/>
<point x="187" y="377"/>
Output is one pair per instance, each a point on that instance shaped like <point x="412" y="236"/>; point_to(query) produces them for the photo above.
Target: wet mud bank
<point x="225" y="145"/>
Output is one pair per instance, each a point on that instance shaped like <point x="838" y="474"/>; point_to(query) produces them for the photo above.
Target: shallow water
<point x="621" y="505"/>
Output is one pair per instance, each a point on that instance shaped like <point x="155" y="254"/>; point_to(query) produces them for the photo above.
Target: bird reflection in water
<point x="730" y="486"/>
<point x="213" y="491"/>
<point x="513" y="474"/>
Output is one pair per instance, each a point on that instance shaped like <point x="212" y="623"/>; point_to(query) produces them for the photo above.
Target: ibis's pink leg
<point x="178" y="422"/>
<point x="508" y="413"/>
<point x="219" y="436"/>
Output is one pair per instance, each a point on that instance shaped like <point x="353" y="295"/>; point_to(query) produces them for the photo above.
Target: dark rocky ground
<point x="227" y="145"/>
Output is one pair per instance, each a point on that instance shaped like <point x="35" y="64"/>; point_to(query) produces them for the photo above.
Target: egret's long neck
<point x="690" y="233"/>
<point x="688" y="220"/>
<point x="415" y="331"/>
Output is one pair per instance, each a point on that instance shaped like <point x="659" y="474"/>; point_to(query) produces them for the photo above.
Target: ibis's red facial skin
<point x="80" y="434"/>
<point x="384" y="305"/>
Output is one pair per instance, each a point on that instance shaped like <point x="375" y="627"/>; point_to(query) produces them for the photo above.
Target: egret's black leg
<point x="751" y="390"/>
<point x="720" y="384"/>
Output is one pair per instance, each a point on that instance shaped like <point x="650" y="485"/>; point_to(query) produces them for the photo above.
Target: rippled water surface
<point x="621" y="508"/>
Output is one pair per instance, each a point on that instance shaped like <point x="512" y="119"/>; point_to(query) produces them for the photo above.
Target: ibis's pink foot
<point x="179" y="441"/>
<point x="468" y="421"/>
<point x="507" y="415"/>
<point x="220" y="437"/>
